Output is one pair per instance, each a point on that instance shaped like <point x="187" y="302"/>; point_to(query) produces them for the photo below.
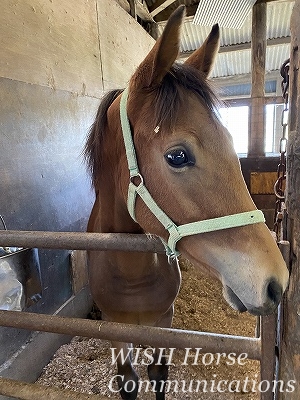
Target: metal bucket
<point x="20" y="278"/>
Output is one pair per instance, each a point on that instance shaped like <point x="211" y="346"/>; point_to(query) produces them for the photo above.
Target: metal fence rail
<point x="262" y="348"/>
<point x="82" y="241"/>
<point x="137" y="334"/>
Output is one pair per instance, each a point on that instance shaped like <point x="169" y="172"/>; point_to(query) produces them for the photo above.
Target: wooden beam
<point x="140" y="9"/>
<point x="165" y="14"/>
<point x="247" y="46"/>
<point x="159" y="6"/>
<point x="243" y="46"/>
<point x="244" y="78"/>
<point x="272" y="1"/>
<point x="258" y="49"/>
<point x="132" y="8"/>
<point x="246" y="101"/>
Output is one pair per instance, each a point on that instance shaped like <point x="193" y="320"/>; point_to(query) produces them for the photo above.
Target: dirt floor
<point x="85" y="364"/>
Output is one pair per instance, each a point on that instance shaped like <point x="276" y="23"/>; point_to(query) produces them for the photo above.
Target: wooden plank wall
<point x="290" y="345"/>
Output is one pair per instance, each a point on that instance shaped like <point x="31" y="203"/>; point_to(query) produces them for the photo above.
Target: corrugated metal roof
<point x="194" y="35"/>
<point x="278" y="25"/>
<point x="227" y="13"/>
<point x="239" y="62"/>
<point x="278" y="19"/>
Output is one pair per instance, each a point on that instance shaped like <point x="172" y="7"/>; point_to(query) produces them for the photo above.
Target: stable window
<point x="273" y="128"/>
<point x="236" y="120"/>
<point x="236" y="117"/>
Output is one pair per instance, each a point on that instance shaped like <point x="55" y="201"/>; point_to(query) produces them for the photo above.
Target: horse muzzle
<point x="273" y="295"/>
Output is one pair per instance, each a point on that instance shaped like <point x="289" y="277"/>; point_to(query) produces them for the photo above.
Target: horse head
<point x="188" y="165"/>
<point x="187" y="160"/>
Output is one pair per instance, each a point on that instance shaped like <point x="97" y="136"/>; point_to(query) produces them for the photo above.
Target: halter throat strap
<point x="175" y="232"/>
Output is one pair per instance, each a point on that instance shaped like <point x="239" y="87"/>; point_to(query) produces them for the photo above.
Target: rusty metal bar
<point x="285" y="248"/>
<point x="270" y="337"/>
<point x="34" y="391"/>
<point x="268" y="357"/>
<point x="137" y="334"/>
<point x="82" y="241"/>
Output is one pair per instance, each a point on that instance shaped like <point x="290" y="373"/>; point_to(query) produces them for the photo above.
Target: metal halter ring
<point x="138" y="175"/>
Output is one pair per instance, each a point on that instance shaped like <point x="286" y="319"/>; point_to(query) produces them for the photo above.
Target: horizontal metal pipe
<point x="34" y="391"/>
<point x="137" y="334"/>
<point x="82" y="241"/>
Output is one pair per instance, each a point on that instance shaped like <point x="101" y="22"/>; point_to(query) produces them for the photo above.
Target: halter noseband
<point x="175" y="232"/>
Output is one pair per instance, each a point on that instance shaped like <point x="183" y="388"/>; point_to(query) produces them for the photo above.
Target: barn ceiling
<point x="235" y="52"/>
<point x="235" y="20"/>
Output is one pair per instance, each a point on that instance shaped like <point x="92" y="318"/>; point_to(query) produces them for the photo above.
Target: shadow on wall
<point x="44" y="184"/>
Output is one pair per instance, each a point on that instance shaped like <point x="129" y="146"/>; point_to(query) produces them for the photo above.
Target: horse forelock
<point x="165" y="103"/>
<point x="166" y="100"/>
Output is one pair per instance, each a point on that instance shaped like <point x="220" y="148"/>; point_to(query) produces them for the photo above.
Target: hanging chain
<point x="279" y="187"/>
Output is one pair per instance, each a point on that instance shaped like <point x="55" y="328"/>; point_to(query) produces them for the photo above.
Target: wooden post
<point x="289" y="371"/>
<point x="258" y="49"/>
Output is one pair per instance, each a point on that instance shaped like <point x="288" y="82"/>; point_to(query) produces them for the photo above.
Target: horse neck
<point x="110" y="215"/>
<point x="110" y="212"/>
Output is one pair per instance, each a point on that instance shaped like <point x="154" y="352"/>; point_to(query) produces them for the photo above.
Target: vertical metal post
<point x="268" y="356"/>
<point x="270" y="335"/>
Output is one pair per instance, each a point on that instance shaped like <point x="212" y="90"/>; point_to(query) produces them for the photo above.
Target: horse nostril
<point x="274" y="291"/>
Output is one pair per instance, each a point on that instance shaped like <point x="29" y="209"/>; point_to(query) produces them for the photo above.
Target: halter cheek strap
<point x="175" y="232"/>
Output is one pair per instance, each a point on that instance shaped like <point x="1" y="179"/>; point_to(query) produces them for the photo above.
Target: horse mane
<point x="92" y="150"/>
<point x="165" y="108"/>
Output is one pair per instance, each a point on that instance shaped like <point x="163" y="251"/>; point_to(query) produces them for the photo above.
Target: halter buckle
<point x="140" y="177"/>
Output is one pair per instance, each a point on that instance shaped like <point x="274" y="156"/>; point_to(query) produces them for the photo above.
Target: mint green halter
<point x="175" y="232"/>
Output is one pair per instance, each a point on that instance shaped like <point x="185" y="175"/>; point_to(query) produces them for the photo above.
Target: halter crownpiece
<point x="176" y="232"/>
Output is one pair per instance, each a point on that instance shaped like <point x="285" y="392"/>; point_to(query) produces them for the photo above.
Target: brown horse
<point x="187" y="163"/>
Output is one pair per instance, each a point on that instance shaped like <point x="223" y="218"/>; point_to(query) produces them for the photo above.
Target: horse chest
<point x="135" y="287"/>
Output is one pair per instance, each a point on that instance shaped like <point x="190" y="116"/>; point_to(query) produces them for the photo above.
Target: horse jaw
<point x="251" y="269"/>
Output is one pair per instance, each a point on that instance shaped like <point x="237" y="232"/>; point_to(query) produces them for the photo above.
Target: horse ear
<point x="163" y="54"/>
<point x="203" y="58"/>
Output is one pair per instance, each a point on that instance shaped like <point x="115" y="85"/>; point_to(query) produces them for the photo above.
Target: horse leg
<point x="127" y="378"/>
<point x="158" y="370"/>
<point x="158" y="374"/>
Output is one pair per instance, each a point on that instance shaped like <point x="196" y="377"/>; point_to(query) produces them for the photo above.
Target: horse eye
<point x="178" y="158"/>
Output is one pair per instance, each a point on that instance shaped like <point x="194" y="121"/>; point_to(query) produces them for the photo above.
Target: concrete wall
<point x="57" y="60"/>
